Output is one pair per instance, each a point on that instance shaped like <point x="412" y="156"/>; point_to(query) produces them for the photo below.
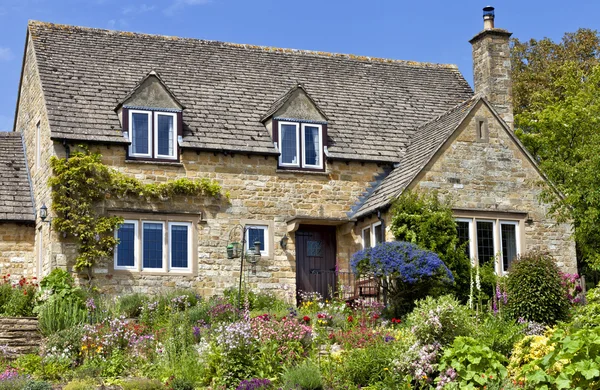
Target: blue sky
<point x="431" y="31"/>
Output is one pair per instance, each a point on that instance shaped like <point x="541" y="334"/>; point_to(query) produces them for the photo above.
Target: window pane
<point x="462" y="230"/>
<point x="179" y="246"/>
<point x="367" y="238"/>
<point x="153" y="245"/>
<point x="378" y="231"/>
<point x="126" y="247"/>
<point x="485" y="242"/>
<point x="165" y="135"/>
<point x="312" y="145"/>
<point x="139" y="133"/>
<point x="289" y="142"/>
<point x="509" y="244"/>
<point x="256" y="234"/>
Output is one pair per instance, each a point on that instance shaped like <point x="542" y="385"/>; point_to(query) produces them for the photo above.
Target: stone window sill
<point x="304" y="172"/>
<point x="168" y="163"/>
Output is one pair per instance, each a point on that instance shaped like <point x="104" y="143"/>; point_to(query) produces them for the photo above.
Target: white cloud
<point x="132" y="9"/>
<point x="177" y="5"/>
<point x="117" y="24"/>
<point x="6" y="54"/>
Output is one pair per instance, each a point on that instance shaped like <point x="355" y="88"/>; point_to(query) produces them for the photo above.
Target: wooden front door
<point x="315" y="259"/>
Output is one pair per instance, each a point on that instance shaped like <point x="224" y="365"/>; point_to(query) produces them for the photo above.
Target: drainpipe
<point x="67" y="149"/>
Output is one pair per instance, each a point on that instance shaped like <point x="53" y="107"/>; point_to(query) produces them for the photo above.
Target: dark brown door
<point x="315" y="259"/>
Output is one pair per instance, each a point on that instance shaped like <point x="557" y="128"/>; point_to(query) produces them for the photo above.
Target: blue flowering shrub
<point x="407" y="272"/>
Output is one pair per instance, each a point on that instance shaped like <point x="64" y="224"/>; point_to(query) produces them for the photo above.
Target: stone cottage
<point x="312" y="147"/>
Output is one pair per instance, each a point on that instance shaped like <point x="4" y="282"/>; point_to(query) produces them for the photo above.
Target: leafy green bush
<point x="60" y="282"/>
<point x="65" y="343"/>
<point x="60" y="313"/>
<point x="364" y="366"/>
<point x="574" y="363"/>
<point x="305" y="376"/>
<point x="425" y="220"/>
<point x="80" y="384"/>
<point x="180" y="384"/>
<point x="130" y="305"/>
<point x="142" y="384"/>
<point x="471" y="364"/>
<point x="38" y="385"/>
<point x="17" y="299"/>
<point x="588" y="315"/>
<point x="535" y="291"/>
<point x="500" y="333"/>
<point x="440" y="320"/>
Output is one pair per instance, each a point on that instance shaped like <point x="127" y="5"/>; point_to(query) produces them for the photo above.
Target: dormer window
<point x="301" y="145"/>
<point x="153" y="134"/>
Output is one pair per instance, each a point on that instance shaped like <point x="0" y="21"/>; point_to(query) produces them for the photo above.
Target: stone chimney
<point x="491" y="66"/>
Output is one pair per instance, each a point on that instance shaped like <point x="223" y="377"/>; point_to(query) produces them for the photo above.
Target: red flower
<point x="320" y="315"/>
<point x="396" y="321"/>
<point x="24" y="292"/>
<point x="375" y="316"/>
<point x="306" y="319"/>
<point x="350" y="318"/>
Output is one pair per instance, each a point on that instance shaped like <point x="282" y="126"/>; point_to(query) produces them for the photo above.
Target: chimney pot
<point x="488" y="17"/>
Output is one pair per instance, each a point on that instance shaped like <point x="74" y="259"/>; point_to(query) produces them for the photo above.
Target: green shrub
<point x="80" y="384"/>
<point x="58" y="314"/>
<point x="181" y="384"/>
<point x="38" y="385"/>
<point x="305" y="376"/>
<point x="500" y="333"/>
<point x="17" y="299"/>
<point x="17" y="383"/>
<point x="440" y="320"/>
<point x="62" y="284"/>
<point x="588" y="315"/>
<point x="65" y="343"/>
<point x="534" y="288"/>
<point x="364" y="366"/>
<point x="573" y="363"/>
<point x="142" y="384"/>
<point x="471" y="364"/>
<point x="131" y="305"/>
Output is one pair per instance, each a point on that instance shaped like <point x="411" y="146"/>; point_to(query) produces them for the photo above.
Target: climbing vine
<point x="81" y="182"/>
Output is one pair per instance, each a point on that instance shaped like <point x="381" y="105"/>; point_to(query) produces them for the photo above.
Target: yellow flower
<point x="385" y="369"/>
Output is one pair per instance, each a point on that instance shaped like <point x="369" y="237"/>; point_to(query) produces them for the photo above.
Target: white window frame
<point x="136" y="246"/>
<point x="472" y="233"/>
<point x="518" y="242"/>
<point x="265" y="228"/>
<point x="189" y="248"/>
<point x="164" y="246"/>
<point x="370" y="234"/>
<point x="302" y="136"/>
<point x="149" y="130"/>
<point x="281" y="163"/>
<point x="155" y="135"/>
<point x="494" y="236"/>
<point x="373" y="236"/>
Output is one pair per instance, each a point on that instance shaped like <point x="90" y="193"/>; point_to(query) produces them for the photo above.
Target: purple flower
<point x="90" y="304"/>
<point x="254" y="384"/>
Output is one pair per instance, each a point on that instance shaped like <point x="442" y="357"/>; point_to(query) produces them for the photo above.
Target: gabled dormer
<point x="152" y="120"/>
<point x="299" y="130"/>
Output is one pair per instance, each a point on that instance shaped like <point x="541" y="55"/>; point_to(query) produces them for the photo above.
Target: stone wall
<point x="496" y="178"/>
<point x="20" y="335"/>
<point x="16" y="250"/>
<point x="31" y="113"/>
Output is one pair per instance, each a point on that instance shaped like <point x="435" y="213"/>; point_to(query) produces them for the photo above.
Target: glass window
<point x="257" y="233"/>
<point x="462" y="230"/>
<point x="179" y="243"/>
<point x="508" y="234"/>
<point x="165" y="137"/>
<point x="312" y="145"/>
<point x="288" y="138"/>
<point x="378" y="233"/>
<point x="366" y="236"/>
<point x="140" y="133"/>
<point x="485" y="242"/>
<point x="152" y="242"/>
<point x="126" y="247"/>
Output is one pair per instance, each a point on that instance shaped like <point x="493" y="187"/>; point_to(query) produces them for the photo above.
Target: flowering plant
<point x="572" y="284"/>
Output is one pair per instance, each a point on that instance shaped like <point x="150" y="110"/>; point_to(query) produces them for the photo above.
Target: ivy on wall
<point x="81" y="182"/>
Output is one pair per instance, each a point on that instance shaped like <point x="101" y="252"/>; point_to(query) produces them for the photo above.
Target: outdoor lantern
<point x="43" y="212"/>
<point x="283" y="242"/>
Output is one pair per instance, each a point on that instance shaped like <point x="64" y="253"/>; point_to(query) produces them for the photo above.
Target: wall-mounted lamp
<point x="283" y="242"/>
<point x="44" y="214"/>
<point x="529" y="220"/>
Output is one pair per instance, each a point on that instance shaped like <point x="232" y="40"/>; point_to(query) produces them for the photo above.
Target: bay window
<point x="490" y="241"/>
<point x="153" y="134"/>
<point x="301" y="145"/>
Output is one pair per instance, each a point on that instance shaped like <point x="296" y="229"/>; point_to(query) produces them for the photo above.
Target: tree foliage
<point x="423" y="219"/>
<point x="557" y="106"/>
<point x="81" y="182"/>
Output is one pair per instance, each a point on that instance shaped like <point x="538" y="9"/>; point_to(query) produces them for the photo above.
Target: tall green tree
<point x="557" y="107"/>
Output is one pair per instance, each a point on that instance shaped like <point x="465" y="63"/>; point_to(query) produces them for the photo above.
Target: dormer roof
<point x="297" y="92"/>
<point x="151" y="91"/>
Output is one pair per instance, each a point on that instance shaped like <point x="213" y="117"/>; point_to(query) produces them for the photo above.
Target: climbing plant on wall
<point x="79" y="185"/>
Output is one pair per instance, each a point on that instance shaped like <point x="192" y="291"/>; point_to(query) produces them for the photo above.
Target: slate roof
<point x="15" y="194"/>
<point x="372" y="104"/>
<point x="425" y="143"/>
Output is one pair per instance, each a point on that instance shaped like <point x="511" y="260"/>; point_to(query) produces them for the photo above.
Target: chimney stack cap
<point x="488" y="17"/>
